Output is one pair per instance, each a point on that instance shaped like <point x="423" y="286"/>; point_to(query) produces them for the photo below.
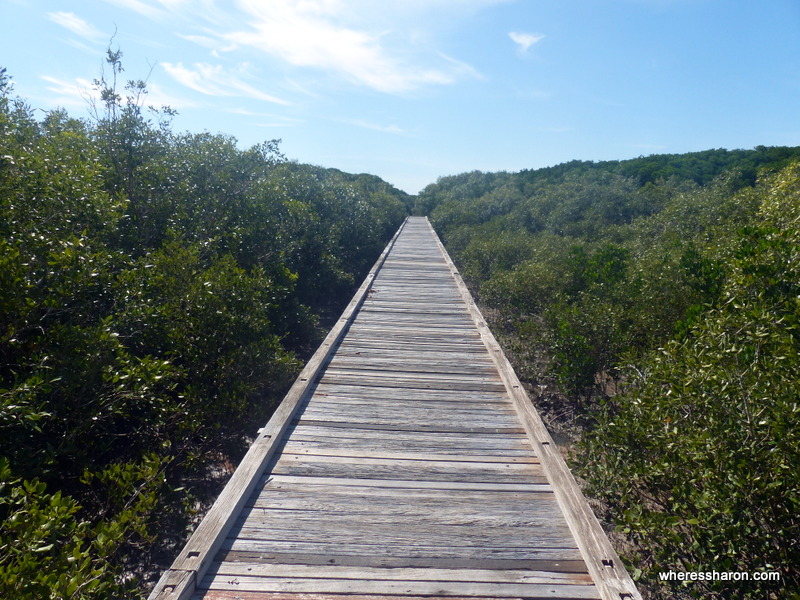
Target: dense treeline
<point x="659" y="296"/>
<point x="158" y="292"/>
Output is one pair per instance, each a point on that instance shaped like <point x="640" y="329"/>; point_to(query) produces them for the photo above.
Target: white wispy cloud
<point x="161" y="10"/>
<point x="68" y="94"/>
<point x="392" y="46"/>
<point x="334" y="36"/>
<point x="214" y="80"/>
<point x="80" y="93"/>
<point x="392" y="129"/>
<point x="525" y="40"/>
<point x="201" y="40"/>
<point x="158" y="97"/>
<point x="460" y="69"/>
<point x="212" y="43"/>
<point x="76" y="25"/>
<point x="143" y="8"/>
<point x="276" y="120"/>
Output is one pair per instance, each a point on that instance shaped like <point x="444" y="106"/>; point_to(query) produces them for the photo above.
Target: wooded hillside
<point x="652" y="304"/>
<point x="158" y="294"/>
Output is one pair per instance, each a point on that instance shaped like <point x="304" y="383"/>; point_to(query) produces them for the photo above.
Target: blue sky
<point x="411" y="90"/>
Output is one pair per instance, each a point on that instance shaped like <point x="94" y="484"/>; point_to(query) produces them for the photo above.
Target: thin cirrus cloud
<point x="365" y="43"/>
<point x="73" y="94"/>
<point x="275" y="120"/>
<point x="76" y="25"/>
<point x="83" y="93"/>
<point x="211" y="43"/>
<point x="392" y="129"/>
<point x="214" y="80"/>
<point x="316" y="35"/>
<point x="525" y="40"/>
<point x="143" y="8"/>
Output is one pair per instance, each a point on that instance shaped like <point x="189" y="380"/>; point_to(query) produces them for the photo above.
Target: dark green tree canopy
<point x="158" y="293"/>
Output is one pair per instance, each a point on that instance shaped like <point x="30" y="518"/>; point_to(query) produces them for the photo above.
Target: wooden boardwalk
<point x="406" y="462"/>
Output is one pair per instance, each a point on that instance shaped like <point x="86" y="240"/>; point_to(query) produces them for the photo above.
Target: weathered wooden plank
<point x="439" y="509"/>
<point x="290" y="449"/>
<point x="423" y="328"/>
<point x="433" y="428"/>
<point x="403" y="552"/>
<point x="346" y="404"/>
<point x="479" y="377"/>
<point x="374" y="446"/>
<point x="402" y="412"/>
<point x="498" y="437"/>
<point x="408" y="484"/>
<point x="243" y="595"/>
<point x="420" y="460"/>
<point x="417" y="383"/>
<point x="460" y="412"/>
<point x="386" y="523"/>
<point x="349" y="417"/>
<point x="455" y="317"/>
<point x="438" y="588"/>
<point x="396" y="348"/>
<point x="404" y="540"/>
<point x="421" y="470"/>
<point x="413" y="345"/>
<point x="420" y="475"/>
<point x="311" y="507"/>
<point x="400" y="439"/>
<point x="394" y="562"/>
<point x="451" y="335"/>
<point x="408" y="364"/>
<point x="381" y="393"/>
<point x="402" y="535"/>
<point x="406" y="440"/>
<point x="259" y="569"/>
<point x="537" y="498"/>
<point x="410" y="341"/>
<point x="352" y="349"/>
<point x="350" y="414"/>
<point x="404" y="307"/>
<point x="403" y="472"/>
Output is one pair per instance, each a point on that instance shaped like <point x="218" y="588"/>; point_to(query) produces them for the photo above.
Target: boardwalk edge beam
<point x="180" y="580"/>
<point x="607" y="570"/>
